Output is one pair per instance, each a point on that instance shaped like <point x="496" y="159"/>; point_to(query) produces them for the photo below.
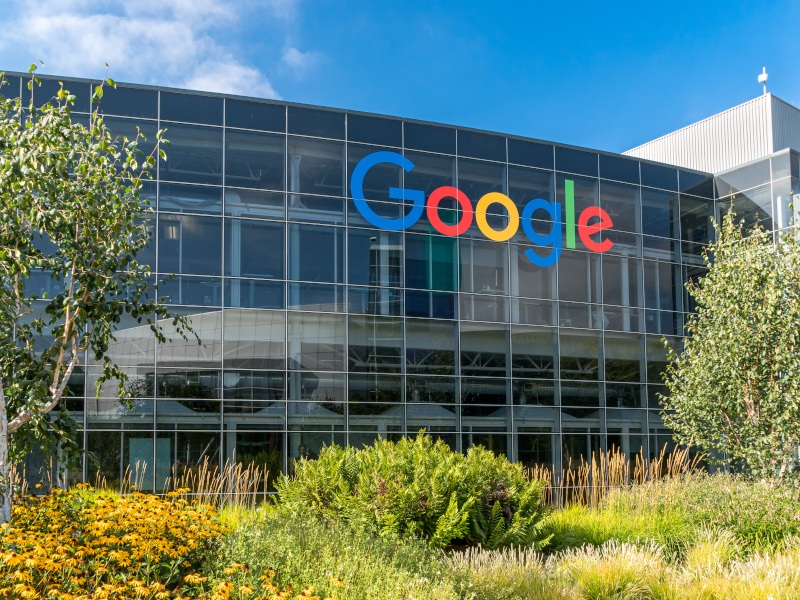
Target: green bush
<point x="336" y="559"/>
<point x="421" y="489"/>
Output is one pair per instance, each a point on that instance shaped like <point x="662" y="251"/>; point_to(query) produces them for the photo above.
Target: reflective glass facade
<point x="318" y="327"/>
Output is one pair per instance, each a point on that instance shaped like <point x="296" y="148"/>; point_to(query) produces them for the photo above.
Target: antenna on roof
<point x="762" y="78"/>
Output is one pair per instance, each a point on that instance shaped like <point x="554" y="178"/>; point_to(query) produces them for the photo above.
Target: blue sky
<point x="607" y="75"/>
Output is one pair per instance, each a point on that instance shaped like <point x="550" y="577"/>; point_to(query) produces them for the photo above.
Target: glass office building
<point x="319" y="327"/>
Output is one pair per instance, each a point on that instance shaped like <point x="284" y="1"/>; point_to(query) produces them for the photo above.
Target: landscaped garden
<point x="414" y="520"/>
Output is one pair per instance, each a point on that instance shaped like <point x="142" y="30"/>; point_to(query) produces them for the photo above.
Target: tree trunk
<point x="5" y="469"/>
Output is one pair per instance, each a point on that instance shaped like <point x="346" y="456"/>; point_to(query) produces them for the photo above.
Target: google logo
<point x="586" y="228"/>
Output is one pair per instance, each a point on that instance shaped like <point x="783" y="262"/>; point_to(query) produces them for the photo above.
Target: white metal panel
<point x="785" y="125"/>
<point x="733" y="137"/>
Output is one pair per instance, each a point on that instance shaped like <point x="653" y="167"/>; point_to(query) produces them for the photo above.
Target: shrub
<point x="75" y="543"/>
<point x="335" y="560"/>
<point x="420" y="488"/>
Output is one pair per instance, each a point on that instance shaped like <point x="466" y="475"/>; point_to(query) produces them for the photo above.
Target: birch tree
<point x="735" y="388"/>
<point x="71" y="213"/>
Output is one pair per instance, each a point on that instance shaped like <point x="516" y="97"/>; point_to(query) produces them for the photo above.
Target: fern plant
<point x="420" y="488"/>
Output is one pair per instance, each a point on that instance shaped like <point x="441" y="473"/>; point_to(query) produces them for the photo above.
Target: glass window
<point x="484" y="266"/>
<point x="129" y="102"/>
<point x="477" y="178"/>
<point x="375" y="130"/>
<point x="189" y="244"/>
<point x="430" y="347"/>
<point x="535" y="393"/>
<point x="697" y="229"/>
<point x="659" y="213"/>
<point x="316" y="167"/>
<point x="429" y="172"/>
<point x="622" y="281"/>
<point x="439" y="390"/>
<point x="656" y="354"/>
<point x="481" y="145"/>
<point x="579" y="394"/>
<point x="533" y="352"/>
<point x="186" y="289"/>
<point x="254" y="203"/>
<point x="316" y="122"/>
<point x="429" y="137"/>
<point x="484" y="350"/>
<point x="530" y="280"/>
<point x="579" y="276"/>
<point x="191" y="108"/>
<point x="619" y="168"/>
<point x="11" y="87"/>
<point x="254" y="248"/>
<point x="525" y="185"/>
<point x="657" y="176"/>
<point x="375" y="344"/>
<point x="662" y="285"/>
<point x="317" y="209"/>
<point x="753" y="206"/>
<point x="696" y="184"/>
<point x="176" y="197"/>
<point x="254" y="339"/>
<point x="580" y="355"/>
<point x="375" y="301"/>
<point x="379" y="178"/>
<point x="132" y="129"/>
<point x="374" y="257"/>
<point x="532" y="154"/>
<point x="434" y="305"/>
<point x="178" y="351"/>
<point x="432" y="262"/>
<point x="475" y="307"/>
<point x="316" y="341"/>
<point x="327" y="389"/>
<point x="263" y="116"/>
<point x="622" y="204"/>
<point x="743" y="178"/>
<point x="586" y="192"/>
<point x="254" y="293"/>
<point x="484" y="391"/>
<point x="581" y="162"/>
<point x="316" y="296"/>
<point x="194" y="155"/>
<point x="370" y="387"/>
<point x="316" y="253"/>
<point x="254" y="160"/>
<point x="46" y="92"/>
<point x="533" y="312"/>
<point x="623" y="356"/>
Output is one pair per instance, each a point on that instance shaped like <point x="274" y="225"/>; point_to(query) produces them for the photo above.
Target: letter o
<point x="437" y="196"/>
<point x="513" y="216"/>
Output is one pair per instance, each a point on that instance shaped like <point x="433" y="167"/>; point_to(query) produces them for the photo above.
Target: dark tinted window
<point x="11" y="87"/>
<point x="576" y="161"/>
<point x="619" y="169"/>
<point x="191" y="108"/>
<point x="374" y="130"/>
<point x="429" y="137"/>
<point x="49" y="88"/>
<point x="531" y="154"/>
<point x="657" y="176"/>
<point x="255" y="115"/>
<point x="312" y="121"/>
<point x="129" y="102"/>
<point x="696" y="184"/>
<point x="481" y="145"/>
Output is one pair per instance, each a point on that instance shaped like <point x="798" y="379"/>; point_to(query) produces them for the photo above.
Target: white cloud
<point x="167" y="42"/>
<point x="298" y="60"/>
